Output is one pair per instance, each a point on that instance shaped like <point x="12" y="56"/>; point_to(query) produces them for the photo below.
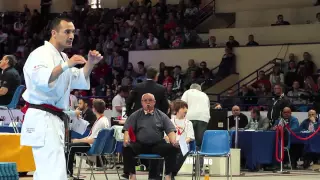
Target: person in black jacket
<point x="243" y="121"/>
<point x="87" y="113"/>
<point x="151" y="86"/>
<point x="278" y="103"/>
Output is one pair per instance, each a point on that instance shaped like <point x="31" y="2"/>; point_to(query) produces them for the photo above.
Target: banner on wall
<point x="6" y="119"/>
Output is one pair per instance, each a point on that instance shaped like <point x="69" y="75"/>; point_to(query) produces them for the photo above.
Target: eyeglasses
<point x="147" y="100"/>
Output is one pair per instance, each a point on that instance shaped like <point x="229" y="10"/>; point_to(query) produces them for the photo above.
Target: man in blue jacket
<point x="287" y="117"/>
<point x="312" y="123"/>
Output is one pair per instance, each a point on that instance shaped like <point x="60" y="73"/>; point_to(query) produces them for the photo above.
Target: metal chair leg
<point x="79" y="168"/>
<point x="227" y="168"/>
<point x="91" y="168"/>
<point x="163" y="169"/>
<point x="230" y="166"/>
<point x="289" y="158"/>
<point x="103" y="167"/>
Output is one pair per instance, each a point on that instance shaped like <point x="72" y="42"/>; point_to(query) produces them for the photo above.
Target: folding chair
<point x="96" y="149"/>
<point x="193" y="153"/>
<point x="215" y="143"/>
<point x="109" y="150"/>
<point x="13" y="105"/>
<point x="152" y="157"/>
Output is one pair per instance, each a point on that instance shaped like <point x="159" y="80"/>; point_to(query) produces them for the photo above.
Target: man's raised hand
<point x="76" y="59"/>
<point x="94" y="57"/>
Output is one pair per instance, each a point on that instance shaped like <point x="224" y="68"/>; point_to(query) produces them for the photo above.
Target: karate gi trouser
<point x="47" y="144"/>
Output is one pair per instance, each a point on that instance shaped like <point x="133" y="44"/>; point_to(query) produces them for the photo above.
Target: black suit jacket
<point x="89" y="116"/>
<point x="133" y="102"/>
<point x="243" y="121"/>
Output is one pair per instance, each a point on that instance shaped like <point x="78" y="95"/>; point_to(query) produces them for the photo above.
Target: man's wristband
<point x="64" y="66"/>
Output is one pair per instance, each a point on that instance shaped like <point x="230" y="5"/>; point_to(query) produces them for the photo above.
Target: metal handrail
<point x="245" y="78"/>
<point x="203" y="14"/>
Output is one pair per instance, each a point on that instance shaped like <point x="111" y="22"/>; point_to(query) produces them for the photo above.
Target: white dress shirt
<point x="198" y="105"/>
<point x="117" y="101"/>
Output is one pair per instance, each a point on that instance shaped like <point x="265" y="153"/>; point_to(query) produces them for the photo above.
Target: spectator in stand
<point x="193" y="78"/>
<point x="280" y="21"/>
<point x="165" y="42"/>
<point x="168" y="80"/>
<point x="230" y="100"/>
<point x="162" y="67"/>
<point x="141" y="69"/>
<point x="264" y="96"/>
<point x="318" y="19"/>
<point x="119" y="102"/>
<point x="141" y="42"/>
<point x="227" y="65"/>
<point x="3" y="40"/>
<point x="73" y="101"/>
<point x="191" y="66"/>
<point x="295" y="94"/>
<point x="152" y="42"/>
<point x="101" y="88"/>
<point x="191" y="10"/>
<point x="127" y="79"/>
<point x="177" y="42"/>
<point x="307" y="64"/>
<point x="212" y="42"/>
<point x="262" y="79"/>
<point x="232" y="42"/>
<point x="247" y="97"/>
<point x="251" y="41"/>
<point x="9" y="79"/>
<point x="291" y="74"/>
<point x="276" y="77"/>
<point x="243" y="121"/>
<point x="206" y="79"/>
<point x="178" y="84"/>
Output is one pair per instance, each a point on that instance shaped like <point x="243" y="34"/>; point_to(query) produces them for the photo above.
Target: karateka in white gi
<point x="50" y="76"/>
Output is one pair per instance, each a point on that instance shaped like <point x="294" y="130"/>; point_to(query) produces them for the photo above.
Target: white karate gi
<point x="41" y="130"/>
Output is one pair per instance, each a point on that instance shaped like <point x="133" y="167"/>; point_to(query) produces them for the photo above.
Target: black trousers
<point x="179" y="162"/>
<point x="162" y="148"/>
<point x="75" y="148"/>
<point x="199" y="128"/>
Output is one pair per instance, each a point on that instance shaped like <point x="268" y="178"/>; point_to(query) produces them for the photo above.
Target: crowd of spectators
<point x="299" y="79"/>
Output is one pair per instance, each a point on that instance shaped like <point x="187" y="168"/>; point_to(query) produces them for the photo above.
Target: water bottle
<point x="207" y="173"/>
<point x="256" y="125"/>
<point x="252" y="124"/>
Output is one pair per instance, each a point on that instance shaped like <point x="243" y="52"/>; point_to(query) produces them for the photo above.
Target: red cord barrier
<point x="279" y="131"/>
<point x="301" y="138"/>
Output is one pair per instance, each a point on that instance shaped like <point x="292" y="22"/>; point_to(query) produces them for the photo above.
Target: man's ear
<point x="53" y="33"/>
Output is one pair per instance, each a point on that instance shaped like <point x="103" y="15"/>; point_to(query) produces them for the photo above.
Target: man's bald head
<point x="148" y="101"/>
<point x="148" y="95"/>
<point x="286" y="113"/>
<point x="312" y="113"/>
<point x="236" y="110"/>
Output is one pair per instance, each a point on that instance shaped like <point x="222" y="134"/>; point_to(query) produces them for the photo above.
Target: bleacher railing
<point x="203" y="13"/>
<point x="249" y="79"/>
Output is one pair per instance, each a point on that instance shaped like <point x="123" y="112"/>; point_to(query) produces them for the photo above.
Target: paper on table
<point x="183" y="145"/>
<point x="79" y="125"/>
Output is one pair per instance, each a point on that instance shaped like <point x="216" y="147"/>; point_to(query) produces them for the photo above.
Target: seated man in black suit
<point x="9" y="79"/>
<point x="146" y="127"/>
<point x="243" y="119"/>
<point x="148" y="86"/>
